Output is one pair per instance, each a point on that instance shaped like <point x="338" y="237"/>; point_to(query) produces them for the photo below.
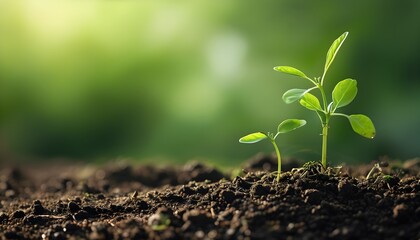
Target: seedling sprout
<point x="342" y="95"/>
<point x="284" y="127"/>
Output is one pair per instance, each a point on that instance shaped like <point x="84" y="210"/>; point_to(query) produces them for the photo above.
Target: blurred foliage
<point x="179" y="80"/>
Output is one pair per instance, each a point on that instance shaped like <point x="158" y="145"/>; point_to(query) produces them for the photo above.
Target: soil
<point x="195" y="201"/>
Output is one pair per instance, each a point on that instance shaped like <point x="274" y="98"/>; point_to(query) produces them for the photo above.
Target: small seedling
<point x="312" y="168"/>
<point x="159" y="221"/>
<point x="378" y="174"/>
<point x="342" y="95"/>
<point x="376" y="169"/>
<point x="284" y="127"/>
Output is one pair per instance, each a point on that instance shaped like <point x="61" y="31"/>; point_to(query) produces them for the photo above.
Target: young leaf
<point x="253" y="137"/>
<point x="344" y="93"/>
<point x="290" y="125"/>
<point x="310" y="102"/>
<point x="294" y="94"/>
<point x="290" y="70"/>
<point x="329" y="107"/>
<point x="362" y="125"/>
<point x="334" y="49"/>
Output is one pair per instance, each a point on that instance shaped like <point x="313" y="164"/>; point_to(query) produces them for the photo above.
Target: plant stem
<point x="278" y="158"/>
<point x="374" y="168"/>
<point x="324" y="97"/>
<point x="324" y="143"/>
<point x="340" y="114"/>
<point x="325" y="125"/>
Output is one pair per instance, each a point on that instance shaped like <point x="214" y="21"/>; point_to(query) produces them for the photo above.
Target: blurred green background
<point x="175" y="81"/>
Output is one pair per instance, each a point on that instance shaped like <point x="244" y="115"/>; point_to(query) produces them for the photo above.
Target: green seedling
<point x="342" y="95"/>
<point x="159" y="222"/>
<point x="284" y="127"/>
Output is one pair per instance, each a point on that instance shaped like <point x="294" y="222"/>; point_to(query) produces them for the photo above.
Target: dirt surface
<point x="195" y="201"/>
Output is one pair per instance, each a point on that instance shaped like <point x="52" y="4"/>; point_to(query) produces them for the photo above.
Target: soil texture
<point x="195" y="201"/>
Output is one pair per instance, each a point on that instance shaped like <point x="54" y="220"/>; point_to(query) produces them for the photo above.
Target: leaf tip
<point x="278" y="68"/>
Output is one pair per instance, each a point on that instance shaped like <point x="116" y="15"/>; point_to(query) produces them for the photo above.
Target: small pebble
<point x="401" y="213"/>
<point x="38" y="209"/>
<point x="70" y="227"/>
<point x="18" y="214"/>
<point x="73" y="207"/>
<point x="227" y="196"/>
<point x="346" y="189"/>
<point x="81" y="215"/>
<point x="198" y="217"/>
<point x="142" y="205"/>
<point x="242" y="183"/>
<point x="313" y="196"/>
<point x="260" y="189"/>
<point x="11" y="235"/>
<point x="3" y="216"/>
<point x="187" y="190"/>
<point x="90" y="210"/>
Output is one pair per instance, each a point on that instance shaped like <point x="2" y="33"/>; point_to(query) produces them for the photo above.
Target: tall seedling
<point x="342" y="95"/>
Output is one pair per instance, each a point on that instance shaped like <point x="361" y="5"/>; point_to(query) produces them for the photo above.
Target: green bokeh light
<point x="103" y="79"/>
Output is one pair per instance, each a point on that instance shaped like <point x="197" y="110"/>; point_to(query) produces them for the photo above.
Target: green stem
<point x="324" y="97"/>
<point x="312" y="81"/>
<point x="340" y="114"/>
<point x="278" y="158"/>
<point x="323" y="76"/>
<point x="325" y="127"/>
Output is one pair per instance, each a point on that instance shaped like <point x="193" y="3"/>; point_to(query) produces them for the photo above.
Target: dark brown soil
<point x="199" y="202"/>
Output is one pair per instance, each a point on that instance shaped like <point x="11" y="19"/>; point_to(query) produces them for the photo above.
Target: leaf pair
<point x="360" y="123"/>
<point x="343" y="94"/>
<point x="284" y="127"/>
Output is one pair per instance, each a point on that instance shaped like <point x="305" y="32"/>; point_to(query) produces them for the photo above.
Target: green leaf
<point x="310" y="102"/>
<point x="362" y="125"/>
<point x="344" y="93"/>
<point x="334" y="49"/>
<point x="294" y="94"/>
<point x="290" y="70"/>
<point x="290" y="125"/>
<point x="253" y="137"/>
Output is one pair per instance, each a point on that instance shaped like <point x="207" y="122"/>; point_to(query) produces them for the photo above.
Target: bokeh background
<point x="180" y="80"/>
